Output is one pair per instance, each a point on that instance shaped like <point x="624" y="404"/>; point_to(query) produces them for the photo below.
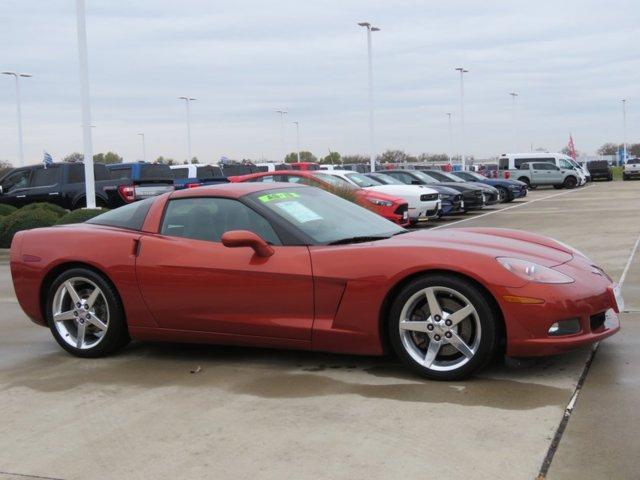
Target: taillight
<point x="507" y="175"/>
<point x="192" y="185"/>
<point x="127" y="192"/>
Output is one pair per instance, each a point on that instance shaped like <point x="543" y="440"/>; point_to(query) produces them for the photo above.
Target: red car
<point x="391" y="208"/>
<point x="290" y="266"/>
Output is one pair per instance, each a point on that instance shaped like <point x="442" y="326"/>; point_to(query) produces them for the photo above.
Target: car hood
<point x="494" y="242"/>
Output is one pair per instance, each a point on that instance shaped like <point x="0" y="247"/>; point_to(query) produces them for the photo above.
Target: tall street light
<point x="187" y="102"/>
<point x="450" y="139"/>
<point x="144" y="149"/>
<point x="297" y="124"/>
<point x="462" y="154"/>
<point x="372" y="155"/>
<point x="17" y="76"/>
<point x="624" y="130"/>
<point x="282" y="113"/>
<point x="89" y="179"/>
<point x="513" y="120"/>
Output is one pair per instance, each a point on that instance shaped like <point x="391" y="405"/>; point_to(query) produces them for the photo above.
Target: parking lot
<point x="170" y="411"/>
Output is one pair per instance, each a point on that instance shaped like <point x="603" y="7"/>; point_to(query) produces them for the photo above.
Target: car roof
<point x="232" y="190"/>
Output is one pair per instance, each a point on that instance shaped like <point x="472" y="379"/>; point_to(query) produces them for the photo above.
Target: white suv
<point x="424" y="202"/>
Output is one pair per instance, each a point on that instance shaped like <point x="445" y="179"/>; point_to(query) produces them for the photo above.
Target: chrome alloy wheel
<point x="440" y="328"/>
<point x="80" y="313"/>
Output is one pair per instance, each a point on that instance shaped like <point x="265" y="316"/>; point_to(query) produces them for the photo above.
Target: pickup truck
<point x="142" y="180"/>
<point x="600" y="169"/>
<point x="62" y="184"/>
<point x="631" y="169"/>
<point x="536" y="174"/>
<point x="190" y="176"/>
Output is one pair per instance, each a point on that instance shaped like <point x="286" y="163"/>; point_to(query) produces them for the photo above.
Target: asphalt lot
<point x="270" y="414"/>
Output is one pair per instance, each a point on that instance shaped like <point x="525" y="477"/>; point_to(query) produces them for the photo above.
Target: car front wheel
<point x="85" y="314"/>
<point x="443" y="327"/>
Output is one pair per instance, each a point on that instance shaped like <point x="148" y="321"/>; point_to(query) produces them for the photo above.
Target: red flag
<point x="572" y="148"/>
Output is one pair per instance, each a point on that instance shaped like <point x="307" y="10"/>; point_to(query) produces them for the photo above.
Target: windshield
<point x="333" y="180"/>
<point x="444" y="176"/>
<point x="324" y="217"/>
<point x="361" y="180"/>
<point x="386" y="179"/>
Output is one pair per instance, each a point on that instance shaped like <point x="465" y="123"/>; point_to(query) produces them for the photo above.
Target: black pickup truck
<point x="600" y="169"/>
<point x="63" y="184"/>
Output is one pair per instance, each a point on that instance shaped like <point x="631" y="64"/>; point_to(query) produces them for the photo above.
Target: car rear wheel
<point x="85" y="314"/>
<point x="443" y="327"/>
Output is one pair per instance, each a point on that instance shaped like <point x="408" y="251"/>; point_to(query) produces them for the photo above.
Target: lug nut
<point x="78" y="304"/>
<point x="448" y="323"/>
<point x="436" y="338"/>
<point x="429" y="327"/>
<point x="437" y="318"/>
<point x="88" y="316"/>
<point x="447" y="334"/>
<point x="86" y="307"/>
<point x="75" y="312"/>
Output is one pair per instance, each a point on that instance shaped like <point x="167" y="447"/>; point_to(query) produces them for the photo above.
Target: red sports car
<point x="391" y="208"/>
<point x="291" y="266"/>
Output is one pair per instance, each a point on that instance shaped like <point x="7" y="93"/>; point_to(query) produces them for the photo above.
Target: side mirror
<point x="245" y="238"/>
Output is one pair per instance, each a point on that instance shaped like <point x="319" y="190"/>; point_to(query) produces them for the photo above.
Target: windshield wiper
<point x="343" y="241"/>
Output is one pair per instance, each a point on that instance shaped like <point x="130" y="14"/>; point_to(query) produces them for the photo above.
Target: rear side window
<point x="43" y="177"/>
<point x="179" y="173"/>
<point x="503" y="164"/>
<point x="208" y="218"/>
<point x="120" y="173"/>
<point x="155" y="172"/>
<point x="208" y="171"/>
<point x="129" y="216"/>
<point x="545" y="166"/>
<point x="76" y="172"/>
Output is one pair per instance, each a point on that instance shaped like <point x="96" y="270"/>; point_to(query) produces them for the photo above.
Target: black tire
<point x="116" y="335"/>
<point x="487" y="318"/>
<point x="609" y="179"/>
<point x="525" y="180"/>
<point x="570" y="182"/>
<point x="505" y="194"/>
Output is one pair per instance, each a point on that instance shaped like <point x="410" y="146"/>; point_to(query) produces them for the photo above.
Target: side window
<point x="518" y="161"/>
<point x="503" y="164"/>
<point x="300" y="180"/>
<point x="15" y="181"/>
<point x="43" y="177"/>
<point x="566" y="164"/>
<point x="179" y="173"/>
<point x="265" y="179"/>
<point x="208" y="218"/>
<point x="524" y="166"/>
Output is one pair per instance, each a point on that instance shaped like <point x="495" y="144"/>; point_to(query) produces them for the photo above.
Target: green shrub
<point x="80" y="215"/>
<point x="24" y="220"/>
<point x="59" y="211"/>
<point x="6" y="209"/>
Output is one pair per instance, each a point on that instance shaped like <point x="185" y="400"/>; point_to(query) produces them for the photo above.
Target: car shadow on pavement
<point x="270" y="373"/>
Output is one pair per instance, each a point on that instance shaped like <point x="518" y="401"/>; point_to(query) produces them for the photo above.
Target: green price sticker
<point x="278" y="196"/>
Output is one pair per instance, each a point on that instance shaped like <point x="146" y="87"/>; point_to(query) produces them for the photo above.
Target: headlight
<point x="533" y="272"/>
<point x="380" y="203"/>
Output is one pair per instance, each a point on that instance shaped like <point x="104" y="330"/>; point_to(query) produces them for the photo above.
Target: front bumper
<point x="589" y="301"/>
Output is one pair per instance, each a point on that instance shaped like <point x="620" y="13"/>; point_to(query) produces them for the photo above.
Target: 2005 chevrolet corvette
<point x="291" y="266"/>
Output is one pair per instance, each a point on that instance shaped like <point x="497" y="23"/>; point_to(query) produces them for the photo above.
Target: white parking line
<point x="530" y="202"/>
<point x="628" y="265"/>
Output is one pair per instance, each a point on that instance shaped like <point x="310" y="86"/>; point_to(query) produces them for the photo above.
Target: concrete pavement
<point x="251" y="413"/>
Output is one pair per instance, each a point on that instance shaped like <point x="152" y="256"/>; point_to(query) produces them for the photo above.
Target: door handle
<point x="20" y="196"/>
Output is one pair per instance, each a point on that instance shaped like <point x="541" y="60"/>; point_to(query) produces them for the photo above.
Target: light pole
<point x="282" y="145"/>
<point x="297" y="124"/>
<point x="187" y="102"/>
<point x="624" y="131"/>
<point x="450" y="140"/>
<point x="17" y="76"/>
<point x="372" y="155"/>
<point x="462" y="155"/>
<point x="144" y="149"/>
<point x="513" y="119"/>
<point x="89" y="179"/>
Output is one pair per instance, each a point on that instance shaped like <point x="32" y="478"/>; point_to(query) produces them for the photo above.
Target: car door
<point x="45" y="185"/>
<point x="190" y="281"/>
<point x="14" y="187"/>
<point x="541" y="173"/>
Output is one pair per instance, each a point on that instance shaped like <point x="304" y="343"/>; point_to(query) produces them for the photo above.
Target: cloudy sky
<point x="571" y="63"/>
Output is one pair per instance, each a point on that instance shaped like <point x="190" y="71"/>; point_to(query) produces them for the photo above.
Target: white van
<point x="512" y="161"/>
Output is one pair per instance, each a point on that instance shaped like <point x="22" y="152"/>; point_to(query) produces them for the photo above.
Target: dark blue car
<point x="511" y="189"/>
